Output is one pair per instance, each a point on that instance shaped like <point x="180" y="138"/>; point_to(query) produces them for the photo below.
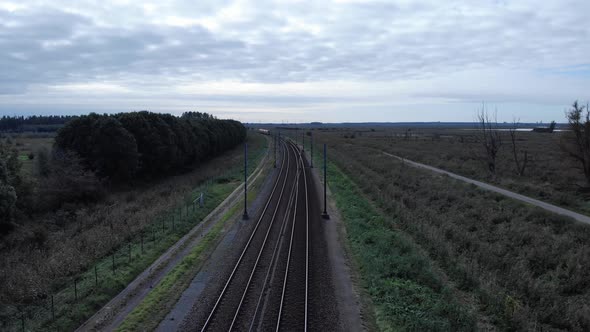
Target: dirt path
<point x="546" y="206"/>
<point x="114" y="312"/>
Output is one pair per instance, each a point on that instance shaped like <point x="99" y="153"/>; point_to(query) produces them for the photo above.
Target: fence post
<point x="142" y="242"/>
<point x="22" y="317"/>
<point x="75" y="289"/>
<point x="113" y="256"/>
<point x="325" y="215"/>
<point x="95" y="275"/>
<point x="129" y="251"/>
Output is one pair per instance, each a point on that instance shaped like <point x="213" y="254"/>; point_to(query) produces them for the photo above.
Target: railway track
<point x="294" y="296"/>
<point x="273" y="267"/>
<point x="286" y="303"/>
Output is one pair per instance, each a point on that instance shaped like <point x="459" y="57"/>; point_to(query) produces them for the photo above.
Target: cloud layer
<point x="293" y="59"/>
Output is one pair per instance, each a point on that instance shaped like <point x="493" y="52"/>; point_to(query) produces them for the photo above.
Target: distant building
<point x="549" y="129"/>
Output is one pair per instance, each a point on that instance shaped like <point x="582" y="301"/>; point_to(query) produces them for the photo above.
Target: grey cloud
<point x="379" y="41"/>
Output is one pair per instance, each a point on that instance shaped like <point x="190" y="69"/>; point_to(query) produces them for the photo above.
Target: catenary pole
<point x="245" y="216"/>
<point x="325" y="214"/>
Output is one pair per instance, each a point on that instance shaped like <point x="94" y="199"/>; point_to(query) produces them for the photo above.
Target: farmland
<point x="550" y="174"/>
<point x="515" y="266"/>
<point x="431" y="252"/>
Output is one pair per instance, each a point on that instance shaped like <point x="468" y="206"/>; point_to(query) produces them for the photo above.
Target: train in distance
<point x="264" y="131"/>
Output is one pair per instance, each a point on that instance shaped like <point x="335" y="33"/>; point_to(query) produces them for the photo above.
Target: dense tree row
<point x="37" y="123"/>
<point x="126" y="145"/>
<point x="14" y="189"/>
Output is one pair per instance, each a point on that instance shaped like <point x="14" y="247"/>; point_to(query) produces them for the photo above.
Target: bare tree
<point x="520" y="162"/>
<point x="491" y="138"/>
<point x="408" y="134"/>
<point x="577" y="142"/>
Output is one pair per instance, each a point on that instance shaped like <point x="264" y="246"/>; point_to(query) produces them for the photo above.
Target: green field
<point x="433" y="246"/>
<point x="28" y="145"/>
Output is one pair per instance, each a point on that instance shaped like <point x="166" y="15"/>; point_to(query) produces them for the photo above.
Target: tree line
<point x="94" y="150"/>
<point x="125" y="146"/>
<point x="36" y="122"/>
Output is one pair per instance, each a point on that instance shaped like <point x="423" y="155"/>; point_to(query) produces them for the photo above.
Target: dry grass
<point x="526" y="268"/>
<point x="550" y="175"/>
<point x="57" y="246"/>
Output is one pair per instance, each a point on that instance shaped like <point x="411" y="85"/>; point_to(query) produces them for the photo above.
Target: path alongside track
<point x="546" y="206"/>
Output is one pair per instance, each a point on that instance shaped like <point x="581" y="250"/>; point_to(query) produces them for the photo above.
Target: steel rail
<point x="306" y="239"/>
<point x="229" y="280"/>
<point x="262" y="248"/>
<point x="273" y="261"/>
<point x="291" y="246"/>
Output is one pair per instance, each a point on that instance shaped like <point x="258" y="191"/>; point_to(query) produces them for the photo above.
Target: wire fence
<point x="105" y="279"/>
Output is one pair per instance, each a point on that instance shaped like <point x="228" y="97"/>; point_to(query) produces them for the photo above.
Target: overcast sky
<point x="297" y="61"/>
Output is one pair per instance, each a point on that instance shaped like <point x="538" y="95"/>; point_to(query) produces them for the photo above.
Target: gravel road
<point x="546" y="206"/>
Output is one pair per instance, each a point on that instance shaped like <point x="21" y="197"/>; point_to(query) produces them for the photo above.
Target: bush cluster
<point x="123" y="146"/>
<point x="15" y="190"/>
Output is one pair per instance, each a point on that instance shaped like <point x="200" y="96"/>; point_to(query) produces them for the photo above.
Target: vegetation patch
<point x="528" y="269"/>
<point x="153" y="309"/>
<point x="172" y="284"/>
<point x="74" y="248"/>
<point x="405" y="291"/>
<point x="551" y="166"/>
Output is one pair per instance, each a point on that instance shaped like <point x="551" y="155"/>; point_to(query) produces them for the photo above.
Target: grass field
<point x="519" y="267"/>
<point x="550" y="174"/>
<point x="28" y="144"/>
<point x="406" y="292"/>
